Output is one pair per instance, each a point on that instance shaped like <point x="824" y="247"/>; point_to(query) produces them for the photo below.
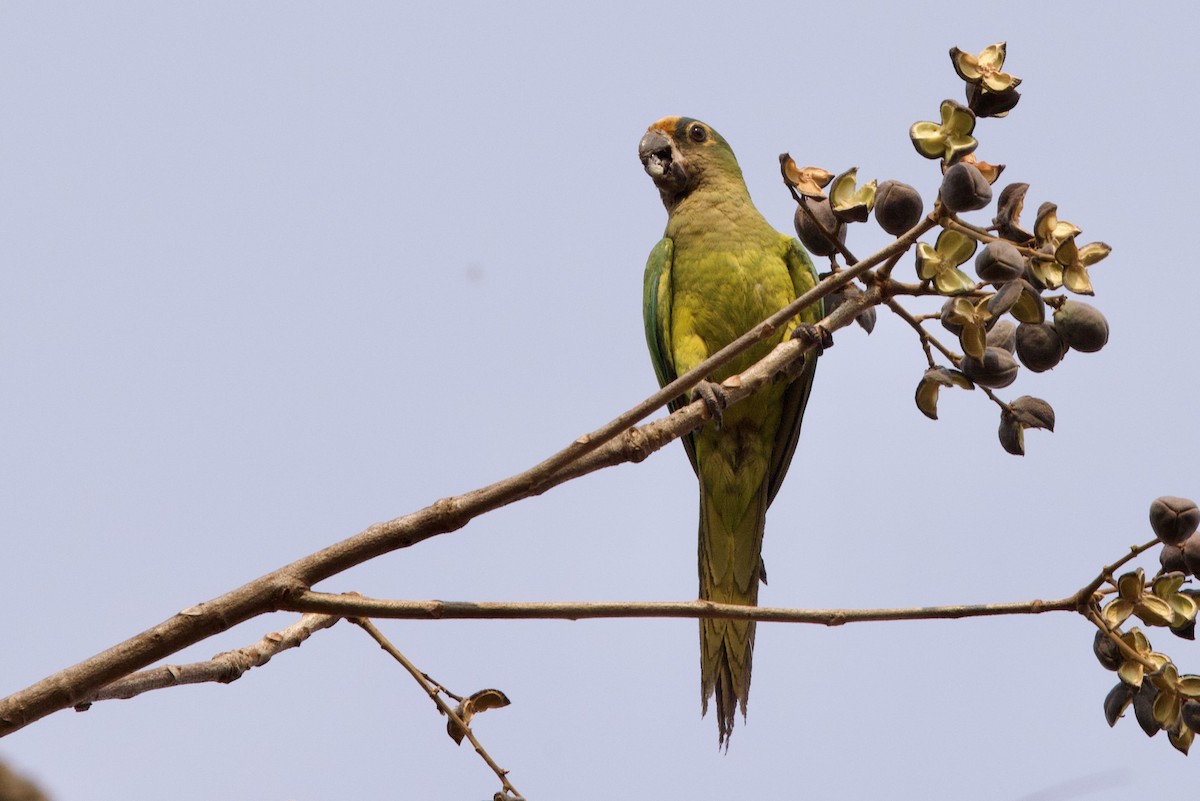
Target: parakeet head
<point x="682" y="155"/>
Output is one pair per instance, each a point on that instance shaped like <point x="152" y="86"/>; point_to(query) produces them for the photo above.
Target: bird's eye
<point x="697" y="133"/>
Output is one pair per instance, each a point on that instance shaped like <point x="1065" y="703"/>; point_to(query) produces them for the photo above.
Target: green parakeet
<point x="720" y="269"/>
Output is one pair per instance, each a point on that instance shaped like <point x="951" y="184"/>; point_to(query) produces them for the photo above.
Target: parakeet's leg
<point x="820" y="337"/>
<point x="715" y="399"/>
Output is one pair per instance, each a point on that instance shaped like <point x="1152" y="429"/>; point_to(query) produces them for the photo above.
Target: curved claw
<point x="820" y="337"/>
<point x="714" y="397"/>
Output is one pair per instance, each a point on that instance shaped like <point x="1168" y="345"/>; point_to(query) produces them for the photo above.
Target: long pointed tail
<point x="730" y="570"/>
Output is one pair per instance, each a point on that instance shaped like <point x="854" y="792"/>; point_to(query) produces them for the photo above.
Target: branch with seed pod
<point x="1005" y="316"/>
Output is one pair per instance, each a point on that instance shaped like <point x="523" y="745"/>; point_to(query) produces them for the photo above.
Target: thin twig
<point x="884" y="275"/>
<point x="322" y="610"/>
<point x="985" y="236"/>
<point x="994" y="398"/>
<point x="1128" y="652"/>
<point x="223" y="668"/>
<point x="925" y="336"/>
<point x="433" y="693"/>
<point x="1084" y="595"/>
<point x="926" y="290"/>
<point x="975" y="232"/>
<point x="354" y="605"/>
<point x="441" y="687"/>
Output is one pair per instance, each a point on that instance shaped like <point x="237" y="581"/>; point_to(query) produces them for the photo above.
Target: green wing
<point x="656" y="313"/>
<point x="656" y="310"/>
<point x="795" y="399"/>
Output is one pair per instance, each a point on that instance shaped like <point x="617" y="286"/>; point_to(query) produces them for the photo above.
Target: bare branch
<point x="611" y="444"/>
<point x="322" y="610"/>
<point x="224" y="667"/>
<point x="442" y="706"/>
<point x="353" y="605"/>
<point x="927" y="339"/>
<point x="1084" y="596"/>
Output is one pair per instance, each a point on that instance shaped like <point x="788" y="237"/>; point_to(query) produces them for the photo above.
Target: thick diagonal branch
<point x="611" y="444"/>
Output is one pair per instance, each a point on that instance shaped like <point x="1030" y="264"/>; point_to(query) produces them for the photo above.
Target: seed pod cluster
<point x="997" y="280"/>
<point x="1162" y="698"/>
<point x="1013" y="272"/>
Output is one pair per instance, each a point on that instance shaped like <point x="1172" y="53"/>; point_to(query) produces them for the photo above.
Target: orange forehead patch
<point x="666" y="125"/>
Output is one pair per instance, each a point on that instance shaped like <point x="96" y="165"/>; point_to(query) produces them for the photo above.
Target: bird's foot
<point x="714" y="397"/>
<point x="818" y="336"/>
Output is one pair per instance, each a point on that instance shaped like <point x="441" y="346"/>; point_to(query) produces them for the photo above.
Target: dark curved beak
<point x="664" y="165"/>
<point x="655" y="153"/>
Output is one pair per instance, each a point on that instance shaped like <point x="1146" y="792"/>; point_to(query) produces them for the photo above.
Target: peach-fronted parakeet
<point x="720" y="269"/>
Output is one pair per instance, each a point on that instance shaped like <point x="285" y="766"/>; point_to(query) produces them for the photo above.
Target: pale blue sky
<point x="276" y="271"/>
